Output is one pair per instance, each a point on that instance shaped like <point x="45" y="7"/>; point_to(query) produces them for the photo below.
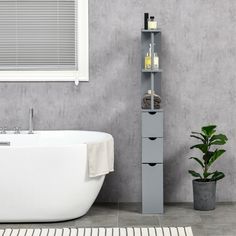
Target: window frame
<point x="82" y="74"/>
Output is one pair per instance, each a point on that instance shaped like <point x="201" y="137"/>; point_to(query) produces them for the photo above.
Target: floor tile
<point x="181" y="220"/>
<point x="219" y="230"/>
<point x="125" y="220"/>
<point x="219" y="218"/>
<point x="198" y="230"/>
<point x="105" y="214"/>
<point x="179" y="210"/>
<point x="220" y="222"/>
<point x="97" y="221"/>
<point x="103" y="209"/>
<point x="130" y="208"/>
<point x="69" y="224"/>
<point x="222" y="207"/>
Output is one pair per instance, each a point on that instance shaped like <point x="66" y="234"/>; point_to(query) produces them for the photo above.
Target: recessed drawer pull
<point x="152" y="164"/>
<point x="152" y="112"/>
<point x="152" y="138"/>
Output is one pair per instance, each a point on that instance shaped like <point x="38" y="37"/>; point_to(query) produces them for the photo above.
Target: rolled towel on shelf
<point x="146" y="102"/>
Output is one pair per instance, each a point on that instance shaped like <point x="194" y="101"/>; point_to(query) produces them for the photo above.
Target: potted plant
<point x="204" y="184"/>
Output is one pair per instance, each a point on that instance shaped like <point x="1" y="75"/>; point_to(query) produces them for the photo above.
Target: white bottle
<point x="152" y="24"/>
<point x="156" y="61"/>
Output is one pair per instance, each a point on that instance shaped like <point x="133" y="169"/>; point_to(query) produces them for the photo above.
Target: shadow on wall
<point x="174" y="186"/>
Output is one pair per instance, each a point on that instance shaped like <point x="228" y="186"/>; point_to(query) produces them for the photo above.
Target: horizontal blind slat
<point x="38" y="33"/>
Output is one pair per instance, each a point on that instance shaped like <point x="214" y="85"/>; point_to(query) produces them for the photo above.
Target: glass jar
<point x="152" y="23"/>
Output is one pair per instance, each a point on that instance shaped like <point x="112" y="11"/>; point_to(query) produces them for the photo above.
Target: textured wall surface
<point x="198" y="84"/>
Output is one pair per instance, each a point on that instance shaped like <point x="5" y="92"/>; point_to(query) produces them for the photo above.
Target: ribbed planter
<point x="204" y="195"/>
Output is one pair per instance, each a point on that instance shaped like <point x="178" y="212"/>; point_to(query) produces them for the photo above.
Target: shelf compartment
<point x="146" y="85"/>
<point x="152" y="71"/>
<point x="151" y="31"/>
<point x="152" y="188"/>
<point x="152" y="110"/>
<point x="155" y="40"/>
<point x="152" y="150"/>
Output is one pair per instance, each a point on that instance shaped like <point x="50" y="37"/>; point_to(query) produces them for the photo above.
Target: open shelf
<point x="152" y="71"/>
<point x="151" y="31"/>
<point x="152" y="110"/>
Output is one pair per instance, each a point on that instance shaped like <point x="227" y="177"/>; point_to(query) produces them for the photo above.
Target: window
<point x="44" y="40"/>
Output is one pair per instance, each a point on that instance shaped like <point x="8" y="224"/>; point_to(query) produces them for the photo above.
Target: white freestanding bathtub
<point x="44" y="176"/>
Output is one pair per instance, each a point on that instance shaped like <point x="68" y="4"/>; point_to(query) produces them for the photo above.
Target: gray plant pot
<point x="204" y="195"/>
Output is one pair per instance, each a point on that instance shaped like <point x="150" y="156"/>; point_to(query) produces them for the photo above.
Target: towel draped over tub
<point x="100" y="157"/>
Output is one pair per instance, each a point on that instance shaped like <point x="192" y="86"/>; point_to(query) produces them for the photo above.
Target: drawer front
<point x="152" y="188"/>
<point x="152" y="150"/>
<point x="152" y="124"/>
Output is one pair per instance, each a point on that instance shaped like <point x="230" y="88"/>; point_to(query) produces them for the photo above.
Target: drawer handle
<point x="152" y="138"/>
<point x="152" y="164"/>
<point x="152" y="112"/>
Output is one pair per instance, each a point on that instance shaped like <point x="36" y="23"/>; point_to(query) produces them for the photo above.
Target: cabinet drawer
<point x="152" y="124"/>
<point x="152" y="188"/>
<point x="152" y="150"/>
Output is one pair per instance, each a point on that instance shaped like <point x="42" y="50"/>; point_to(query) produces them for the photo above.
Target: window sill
<point x="43" y="76"/>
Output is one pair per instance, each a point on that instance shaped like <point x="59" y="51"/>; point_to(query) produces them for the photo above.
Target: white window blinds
<point x="38" y="35"/>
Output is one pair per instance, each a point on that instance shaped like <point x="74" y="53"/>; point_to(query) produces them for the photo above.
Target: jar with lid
<point x="152" y="23"/>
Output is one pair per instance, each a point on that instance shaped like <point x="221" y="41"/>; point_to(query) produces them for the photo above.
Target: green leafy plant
<point x="209" y="139"/>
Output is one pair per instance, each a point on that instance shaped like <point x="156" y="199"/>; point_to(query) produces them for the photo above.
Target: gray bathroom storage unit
<point x="152" y="130"/>
<point x="152" y="188"/>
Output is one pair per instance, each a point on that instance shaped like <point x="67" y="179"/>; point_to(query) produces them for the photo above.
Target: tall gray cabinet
<point x="152" y="129"/>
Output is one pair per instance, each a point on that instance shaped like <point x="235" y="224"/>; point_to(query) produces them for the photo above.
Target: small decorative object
<point x="204" y="186"/>
<point x="156" y="61"/>
<point x="146" y="103"/>
<point x="152" y="24"/>
<point x="146" y="17"/>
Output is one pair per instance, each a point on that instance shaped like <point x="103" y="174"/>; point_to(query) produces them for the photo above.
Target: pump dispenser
<point x="148" y="59"/>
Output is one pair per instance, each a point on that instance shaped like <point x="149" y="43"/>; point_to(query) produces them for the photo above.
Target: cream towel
<point x="100" y="157"/>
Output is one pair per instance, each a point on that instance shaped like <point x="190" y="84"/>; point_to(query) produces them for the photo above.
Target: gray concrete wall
<point x="199" y="55"/>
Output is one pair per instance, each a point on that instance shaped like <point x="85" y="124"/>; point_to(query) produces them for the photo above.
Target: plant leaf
<point x="209" y="130"/>
<point x="204" y="136"/>
<point x="219" y="136"/>
<point x="219" y="139"/>
<point x="197" y="160"/>
<point x="207" y="174"/>
<point x="218" y="142"/>
<point x="195" y="174"/>
<point x="195" y="136"/>
<point x="216" y="154"/>
<point x="202" y="147"/>
<point x="217" y="176"/>
<point x="207" y="156"/>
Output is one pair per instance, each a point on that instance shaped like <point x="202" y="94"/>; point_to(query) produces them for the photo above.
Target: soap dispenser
<point x="156" y="61"/>
<point x="148" y="59"/>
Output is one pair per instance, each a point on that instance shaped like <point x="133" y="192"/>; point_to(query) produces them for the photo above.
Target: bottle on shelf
<point x="152" y="23"/>
<point x="148" y="59"/>
<point x="146" y="17"/>
<point x="156" y="61"/>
